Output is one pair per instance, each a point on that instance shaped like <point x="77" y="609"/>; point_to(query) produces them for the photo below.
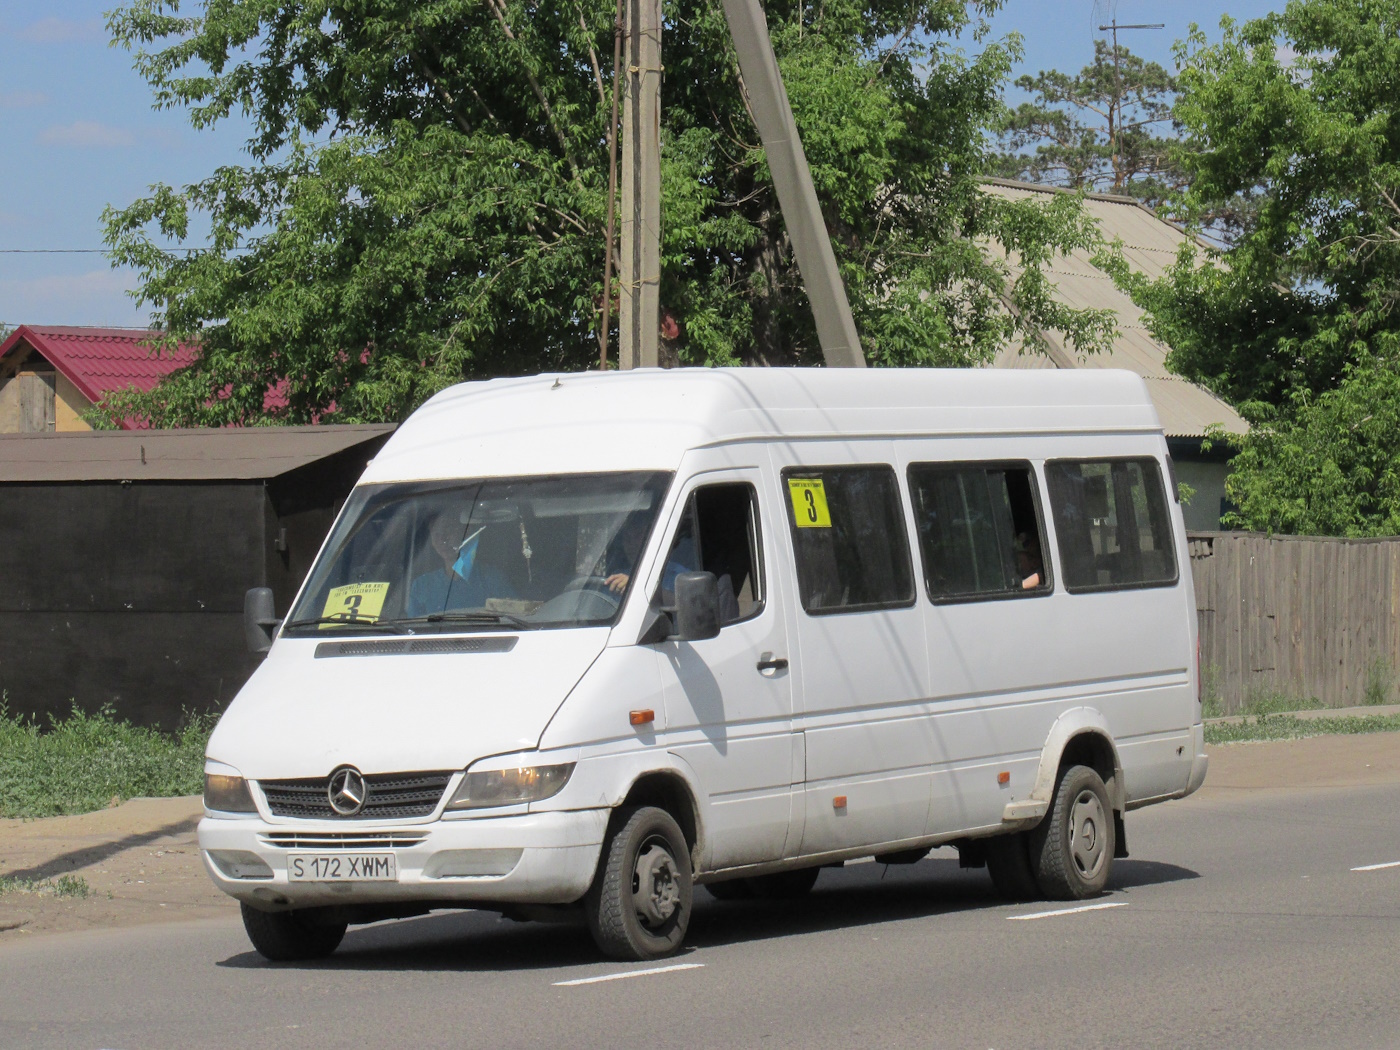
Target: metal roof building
<point x="1149" y="246"/>
<point x="125" y="556"/>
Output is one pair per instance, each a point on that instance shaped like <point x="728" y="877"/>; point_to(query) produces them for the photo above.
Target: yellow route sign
<point x="809" y="510"/>
<point x="355" y="601"/>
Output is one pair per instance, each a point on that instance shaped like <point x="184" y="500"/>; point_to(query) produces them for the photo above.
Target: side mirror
<point x="259" y="619"/>
<point x="697" y="607"/>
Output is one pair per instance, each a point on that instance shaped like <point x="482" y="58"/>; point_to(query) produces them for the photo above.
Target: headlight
<point x="510" y="787"/>
<point x="226" y="794"/>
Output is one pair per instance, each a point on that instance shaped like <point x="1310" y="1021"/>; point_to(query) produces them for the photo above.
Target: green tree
<point x="425" y="196"/>
<point x="1104" y="129"/>
<point x="1297" y="114"/>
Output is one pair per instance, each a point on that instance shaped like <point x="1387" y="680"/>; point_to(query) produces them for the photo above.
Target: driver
<point x="630" y="540"/>
<point x="468" y="574"/>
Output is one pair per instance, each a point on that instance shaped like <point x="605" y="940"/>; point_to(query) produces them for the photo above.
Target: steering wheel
<point x="595" y="585"/>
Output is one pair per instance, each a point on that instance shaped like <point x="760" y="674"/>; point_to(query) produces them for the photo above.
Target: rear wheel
<point x="1071" y="852"/>
<point x="291" y="936"/>
<point x="1009" y="864"/>
<point x="639" y="904"/>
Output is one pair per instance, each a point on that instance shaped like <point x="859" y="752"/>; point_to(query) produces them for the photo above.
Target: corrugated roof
<point x="100" y="361"/>
<point x="1150" y="245"/>
<point x="230" y="453"/>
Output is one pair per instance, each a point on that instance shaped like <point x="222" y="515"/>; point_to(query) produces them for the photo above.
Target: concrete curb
<point x="1313" y="713"/>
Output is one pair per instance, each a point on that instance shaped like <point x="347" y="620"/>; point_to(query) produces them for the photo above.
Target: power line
<point x="103" y="251"/>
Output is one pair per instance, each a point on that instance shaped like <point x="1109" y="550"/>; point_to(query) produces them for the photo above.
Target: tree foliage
<point x="1106" y="128"/>
<point x="1297" y="114"/>
<point x="426" y="192"/>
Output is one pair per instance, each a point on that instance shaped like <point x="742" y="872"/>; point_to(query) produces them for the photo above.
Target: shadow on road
<point x="89" y="855"/>
<point x="1129" y="874"/>
<point x="464" y="941"/>
<point x="861" y="895"/>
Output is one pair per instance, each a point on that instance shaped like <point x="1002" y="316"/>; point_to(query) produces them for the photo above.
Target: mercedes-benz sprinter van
<point x="579" y="643"/>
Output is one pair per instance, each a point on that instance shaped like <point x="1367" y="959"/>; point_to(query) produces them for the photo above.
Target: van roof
<point x="647" y="419"/>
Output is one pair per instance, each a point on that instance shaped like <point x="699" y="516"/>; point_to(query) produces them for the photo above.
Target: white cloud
<point x="87" y="134"/>
<point x="97" y="297"/>
<point x="60" y="30"/>
<point x="22" y="99"/>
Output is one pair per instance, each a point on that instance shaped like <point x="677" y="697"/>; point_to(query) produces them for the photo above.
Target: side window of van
<point x="1112" y="523"/>
<point x="849" y="536"/>
<point x="979" y="530"/>
<point x="719" y="533"/>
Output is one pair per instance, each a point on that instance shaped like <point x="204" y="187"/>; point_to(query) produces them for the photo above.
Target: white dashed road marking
<point x="1068" y="911"/>
<point x="629" y="973"/>
<point x="1378" y="867"/>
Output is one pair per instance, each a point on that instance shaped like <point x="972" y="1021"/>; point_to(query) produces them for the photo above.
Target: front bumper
<point x="558" y="854"/>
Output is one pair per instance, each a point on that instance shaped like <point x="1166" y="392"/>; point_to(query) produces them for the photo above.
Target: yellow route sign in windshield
<point x="809" y="510"/>
<point x="355" y="601"/>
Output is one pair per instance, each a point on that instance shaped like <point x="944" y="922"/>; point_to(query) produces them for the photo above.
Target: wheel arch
<point x="1080" y="736"/>
<point x="668" y="789"/>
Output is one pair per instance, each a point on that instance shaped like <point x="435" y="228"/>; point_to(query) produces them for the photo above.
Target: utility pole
<point x="639" y="299"/>
<point x="640" y="273"/>
<point x="1115" y="111"/>
<point x="797" y="197"/>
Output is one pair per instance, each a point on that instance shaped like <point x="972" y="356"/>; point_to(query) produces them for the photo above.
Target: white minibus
<point x="579" y="643"/>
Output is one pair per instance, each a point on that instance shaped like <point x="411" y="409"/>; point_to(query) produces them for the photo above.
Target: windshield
<point x="462" y="555"/>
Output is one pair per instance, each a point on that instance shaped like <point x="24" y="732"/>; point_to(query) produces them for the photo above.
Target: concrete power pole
<point x="797" y="197"/>
<point x="639" y="302"/>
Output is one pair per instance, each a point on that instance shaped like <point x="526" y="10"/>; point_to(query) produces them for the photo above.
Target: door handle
<point x="773" y="663"/>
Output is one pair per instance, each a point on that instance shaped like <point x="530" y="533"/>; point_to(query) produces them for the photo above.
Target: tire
<point x="639" y="904"/>
<point x="783" y="885"/>
<point x="291" y="936"/>
<point x="1072" y="850"/>
<point x="730" y="890"/>
<point x="1009" y="864"/>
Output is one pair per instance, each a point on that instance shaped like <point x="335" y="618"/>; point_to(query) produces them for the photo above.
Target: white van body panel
<point x="300" y="716"/>
<point x="911" y="715"/>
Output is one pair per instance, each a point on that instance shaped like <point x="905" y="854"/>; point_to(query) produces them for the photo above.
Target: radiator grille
<point x="388" y="796"/>
<point x="329" y="840"/>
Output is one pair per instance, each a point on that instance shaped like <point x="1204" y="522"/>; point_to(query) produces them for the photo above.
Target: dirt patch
<point x="140" y="861"/>
<point x="1311" y="762"/>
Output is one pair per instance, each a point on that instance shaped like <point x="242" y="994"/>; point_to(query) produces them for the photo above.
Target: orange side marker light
<point x="1004" y="777"/>
<point x="644" y="717"/>
<point x="839" y="802"/>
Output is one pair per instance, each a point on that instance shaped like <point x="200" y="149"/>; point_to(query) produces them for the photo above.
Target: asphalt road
<point x="1238" y="922"/>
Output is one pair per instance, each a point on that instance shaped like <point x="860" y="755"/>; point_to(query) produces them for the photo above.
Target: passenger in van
<point x="1029" y="565"/>
<point x="469" y="574"/>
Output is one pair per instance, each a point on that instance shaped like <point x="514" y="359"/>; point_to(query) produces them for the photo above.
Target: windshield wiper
<point x="468" y="617"/>
<point x="349" y="621"/>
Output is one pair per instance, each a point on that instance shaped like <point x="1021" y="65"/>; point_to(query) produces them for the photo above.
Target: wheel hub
<point x="1086" y="834"/>
<point x="655" y="888"/>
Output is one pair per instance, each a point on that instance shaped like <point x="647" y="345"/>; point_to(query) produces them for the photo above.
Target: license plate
<point x="342" y="867"/>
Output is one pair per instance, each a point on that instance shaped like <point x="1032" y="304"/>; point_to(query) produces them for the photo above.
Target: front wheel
<point x="291" y="936"/>
<point x="1071" y="851"/>
<point x="639" y="904"/>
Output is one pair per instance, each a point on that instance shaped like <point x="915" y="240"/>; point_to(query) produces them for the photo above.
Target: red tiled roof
<point x="99" y="361"/>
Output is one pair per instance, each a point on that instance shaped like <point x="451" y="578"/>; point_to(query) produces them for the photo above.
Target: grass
<point x="63" y="886"/>
<point x="1286" y="727"/>
<point x="90" y="761"/>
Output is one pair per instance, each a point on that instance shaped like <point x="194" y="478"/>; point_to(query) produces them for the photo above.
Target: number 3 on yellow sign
<point x="809" y="510"/>
<point x="355" y="601"/>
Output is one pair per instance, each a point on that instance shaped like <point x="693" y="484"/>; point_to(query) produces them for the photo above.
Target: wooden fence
<point x="1297" y="617"/>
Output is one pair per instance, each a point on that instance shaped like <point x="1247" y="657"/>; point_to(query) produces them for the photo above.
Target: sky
<point x="79" y="133"/>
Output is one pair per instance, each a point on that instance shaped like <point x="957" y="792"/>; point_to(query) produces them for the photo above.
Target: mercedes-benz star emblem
<point x="347" y="791"/>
